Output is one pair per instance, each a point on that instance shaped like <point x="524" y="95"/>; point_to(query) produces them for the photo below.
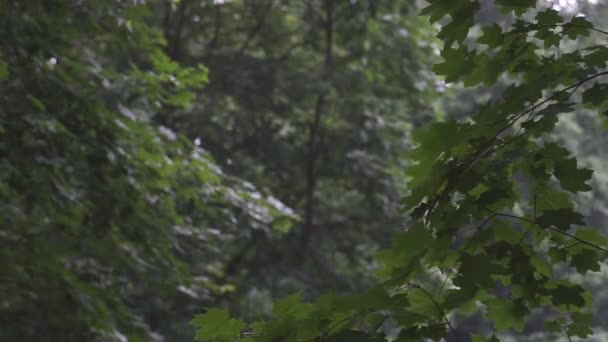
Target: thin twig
<point x="532" y="108"/>
<point x="574" y="244"/>
<point x="447" y="321"/>
<point x="445" y="281"/>
<point x="553" y="229"/>
<point x="566" y="332"/>
<point x="487" y="148"/>
<point x="257" y="28"/>
<point x="481" y="225"/>
<point x="335" y="325"/>
<point x="525" y="234"/>
<point x="566" y="25"/>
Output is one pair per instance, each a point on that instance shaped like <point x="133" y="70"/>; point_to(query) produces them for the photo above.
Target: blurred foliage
<point x="332" y="138"/>
<point x="494" y="227"/>
<point x="124" y="201"/>
<point x="160" y="157"/>
<point x="104" y="213"/>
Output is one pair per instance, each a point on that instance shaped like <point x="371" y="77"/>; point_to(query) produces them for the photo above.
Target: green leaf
<point x="407" y="247"/>
<point x="375" y="298"/>
<point x="437" y="9"/>
<point x="432" y="332"/>
<point x="596" y="95"/>
<point x="550" y="38"/>
<point x="505" y="314"/>
<point x="548" y="17"/>
<point x="181" y="99"/>
<point x="291" y="306"/>
<point x="558" y="254"/>
<point x="283" y="224"/>
<point x="518" y="6"/>
<point x="541" y="266"/>
<point x="553" y="151"/>
<point x="578" y="26"/>
<point x="492" y="36"/>
<point x="568" y="295"/>
<point x="420" y="303"/>
<point x="548" y="118"/>
<point x="481" y="338"/>
<point x="592" y="235"/>
<point x="477" y="270"/>
<point x="463" y="300"/>
<point x="570" y="177"/>
<point x="350" y="335"/>
<point x="555" y="325"/>
<point x="486" y="71"/>
<point x="598" y="58"/>
<point x="562" y="219"/>
<point x="581" y="325"/>
<point x="503" y="231"/>
<point x="462" y="20"/>
<point x="586" y="260"/>
<point x="547" y="199"/>
<point x="456" y="63"/>
<point x="216" y="324"/>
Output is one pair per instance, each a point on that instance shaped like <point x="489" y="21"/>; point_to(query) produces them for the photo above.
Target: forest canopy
<point x="315" y="170"/>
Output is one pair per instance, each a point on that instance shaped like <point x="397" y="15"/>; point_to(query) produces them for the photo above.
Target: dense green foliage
<point x="101" y="208"/>
<point x="161" y="159"/>
<point x="131" y="197"/>
<point x="313" y="104"/>
<point x="490" y="199"/>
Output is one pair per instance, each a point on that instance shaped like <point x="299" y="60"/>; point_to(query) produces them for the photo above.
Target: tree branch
<point x="257" y="28"/>
<point x="314" y="128"/>
<point x="489" y="146"/>
<point x="217" y="26"/>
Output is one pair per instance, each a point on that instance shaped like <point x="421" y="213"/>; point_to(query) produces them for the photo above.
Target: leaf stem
<point x="430" y="297"/>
